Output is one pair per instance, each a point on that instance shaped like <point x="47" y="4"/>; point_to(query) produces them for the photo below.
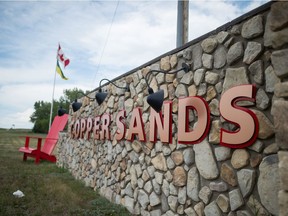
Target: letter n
<point x="164" y="126"/>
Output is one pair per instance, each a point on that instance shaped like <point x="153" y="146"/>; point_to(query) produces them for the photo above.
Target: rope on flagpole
<point x="52" y="102"/>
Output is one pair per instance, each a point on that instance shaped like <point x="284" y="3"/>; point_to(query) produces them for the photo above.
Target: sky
<point x="102" y="39"/>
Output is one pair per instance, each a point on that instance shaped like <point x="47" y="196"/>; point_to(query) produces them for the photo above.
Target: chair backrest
<point x="58" y="125"/>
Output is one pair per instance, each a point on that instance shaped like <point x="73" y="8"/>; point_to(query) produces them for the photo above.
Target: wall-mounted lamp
<point x="100" y="96"/>
<point x="61" y="111"/>
<point x="155" y="100"/>
<point x="76" y="105"/>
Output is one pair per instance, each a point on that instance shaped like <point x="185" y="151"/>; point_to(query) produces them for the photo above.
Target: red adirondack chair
<point x="45" y="153"/>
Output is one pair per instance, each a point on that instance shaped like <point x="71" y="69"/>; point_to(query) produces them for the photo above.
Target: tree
<point x="41" y="115"/>
<point x="72" y="94"/>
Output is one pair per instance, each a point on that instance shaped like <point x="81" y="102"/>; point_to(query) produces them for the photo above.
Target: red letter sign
<point x="200" y="131"/>
<point x="136" y="126"/>
<point x="96" y="130"/>
<point x="89" y="127"/>
<point x="156" y="121"/>
<point x="244" y="118"/>
<point x="77" y="129"/>
<point x="82" y="128"/>
<point x="121" y="127"/>
<point x="105" y="133"/>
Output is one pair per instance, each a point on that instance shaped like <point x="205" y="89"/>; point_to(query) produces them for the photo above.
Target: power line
<point x="106" y="41"/>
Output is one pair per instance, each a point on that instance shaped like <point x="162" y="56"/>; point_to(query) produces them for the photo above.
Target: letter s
<point x="121" y="127"/>
<point x="244" y="118"/>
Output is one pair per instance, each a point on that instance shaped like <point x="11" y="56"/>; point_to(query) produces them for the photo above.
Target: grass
<point x="49" y="190"/>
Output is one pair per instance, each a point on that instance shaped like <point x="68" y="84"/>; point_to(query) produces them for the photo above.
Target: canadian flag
<point x="61" y="57"/>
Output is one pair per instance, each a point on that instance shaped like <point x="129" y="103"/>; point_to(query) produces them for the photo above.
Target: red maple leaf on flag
<point x="61" y="57"/>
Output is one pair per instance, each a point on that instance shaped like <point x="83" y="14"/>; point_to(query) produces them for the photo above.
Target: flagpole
<point x="65" y="61"/>
<point x="52" y="102"/>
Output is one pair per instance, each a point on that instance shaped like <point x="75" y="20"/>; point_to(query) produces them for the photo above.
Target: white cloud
<point x="17" y="120"/>
<point x="254" y="4"/>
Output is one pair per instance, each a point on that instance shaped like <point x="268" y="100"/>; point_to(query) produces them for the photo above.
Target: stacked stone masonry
<point x="206" y="178"/>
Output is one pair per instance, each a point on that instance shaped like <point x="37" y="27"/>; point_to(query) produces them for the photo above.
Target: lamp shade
<point x="185" y="67"/>
<point x="155" y="100"/>
<point x="76" y="106"/>
<point x="100" y="97"/>
<point x="61" y="111"/>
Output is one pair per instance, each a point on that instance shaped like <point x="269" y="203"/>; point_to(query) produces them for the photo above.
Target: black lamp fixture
<point x="155" y="100"/>
<point x="77" y="105"/>
<point x="100" y="96"/>
<point x="61" y="111"/>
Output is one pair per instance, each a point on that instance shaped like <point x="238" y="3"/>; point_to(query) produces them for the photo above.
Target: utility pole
<point x="182" y="22"/>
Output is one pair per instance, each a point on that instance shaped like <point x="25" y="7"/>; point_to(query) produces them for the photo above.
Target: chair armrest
<point x="33" y="137"/>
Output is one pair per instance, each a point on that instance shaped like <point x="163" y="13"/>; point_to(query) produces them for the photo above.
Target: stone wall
<point x="205" y="178"/>
<point x="277" y="38"/>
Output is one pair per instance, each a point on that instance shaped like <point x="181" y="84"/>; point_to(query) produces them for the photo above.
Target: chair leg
<point x="24" y="157"/>
<point x="37" y="159"/>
